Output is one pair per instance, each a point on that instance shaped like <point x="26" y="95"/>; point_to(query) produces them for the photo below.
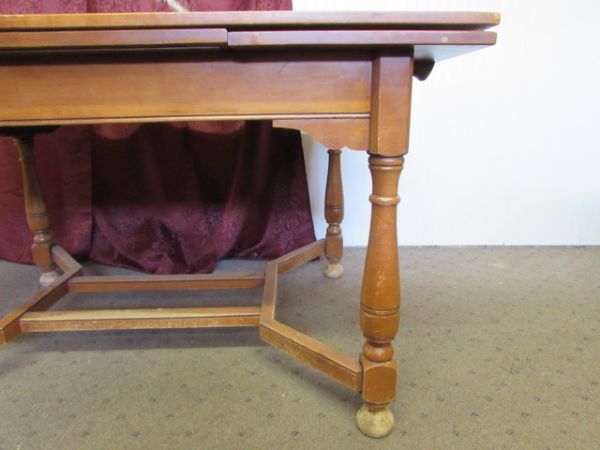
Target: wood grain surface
<point x="249" y="19"/>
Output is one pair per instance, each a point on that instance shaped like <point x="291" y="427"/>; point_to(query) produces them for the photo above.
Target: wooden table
<point x="344" y="78"/>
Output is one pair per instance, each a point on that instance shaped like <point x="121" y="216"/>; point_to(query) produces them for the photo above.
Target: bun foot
<point x="375" y="423"/>
<point x="48" y="278"/>
<point x="333" y="270"/>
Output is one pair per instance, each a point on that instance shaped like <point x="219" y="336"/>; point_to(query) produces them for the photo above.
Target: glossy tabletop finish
<point x="434" y="35"/>
<point x="235" y="20"/>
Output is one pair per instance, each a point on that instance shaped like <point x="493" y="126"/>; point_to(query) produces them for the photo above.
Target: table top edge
<point x="253" y="19"/>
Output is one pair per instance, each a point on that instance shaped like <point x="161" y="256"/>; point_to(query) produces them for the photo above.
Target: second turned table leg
<point x="35" y="208"/>
<point x="334" y="214"/>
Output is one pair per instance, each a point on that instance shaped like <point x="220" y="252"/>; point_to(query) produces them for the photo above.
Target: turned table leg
<point x="380" y="300"/>
<point x="334" y="214"/>
<point x="35" y="208"/>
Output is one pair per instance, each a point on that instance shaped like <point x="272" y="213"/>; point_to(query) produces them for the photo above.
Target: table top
<point x="431" y="35"/>
<point x="255" y="20"/>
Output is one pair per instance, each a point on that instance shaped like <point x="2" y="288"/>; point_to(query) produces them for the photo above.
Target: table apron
<point x="95" y="88"/>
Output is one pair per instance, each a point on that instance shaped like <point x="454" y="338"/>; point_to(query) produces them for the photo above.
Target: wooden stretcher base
<point x="34" y="315"/>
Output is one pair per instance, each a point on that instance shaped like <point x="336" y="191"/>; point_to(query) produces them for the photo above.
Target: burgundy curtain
<point x="161" y="198"/>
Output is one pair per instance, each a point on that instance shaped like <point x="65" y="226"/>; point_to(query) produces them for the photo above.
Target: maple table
<point x="344" y="78"/>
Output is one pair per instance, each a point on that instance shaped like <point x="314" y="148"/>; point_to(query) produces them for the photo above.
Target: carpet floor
<point x="498" y="348"/>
